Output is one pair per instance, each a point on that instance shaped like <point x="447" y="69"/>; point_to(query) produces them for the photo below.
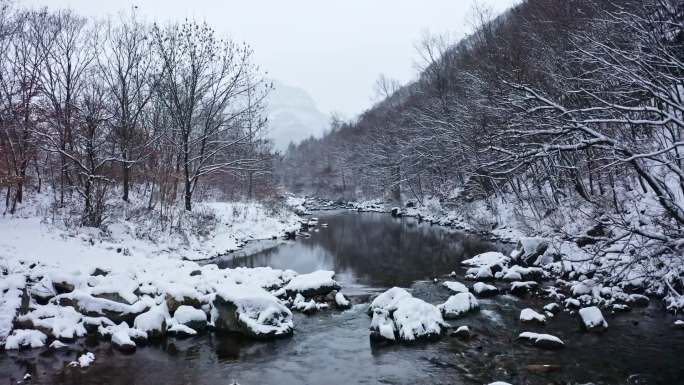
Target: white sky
<point x="334" y="50"/>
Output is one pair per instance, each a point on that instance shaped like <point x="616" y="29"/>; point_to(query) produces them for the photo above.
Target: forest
<point x="91" y="109"/>
<point x="560" y="117"/>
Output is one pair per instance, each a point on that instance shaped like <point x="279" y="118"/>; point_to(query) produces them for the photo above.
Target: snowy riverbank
<point x="130" y="266"/>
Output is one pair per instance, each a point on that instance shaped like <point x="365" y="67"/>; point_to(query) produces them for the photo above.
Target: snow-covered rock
<point x="120" y="335"/>
<point x="679" y="324"/>
<point x="307" y="307"/>
<point x="415" y="319"/>
<point x="251" y="311"/>
<point x="153" y="321"/>
<point x="592" y="319"/>
<point x="456" y="287"/>
<point x="319" y="282"/>
<point x="543" y="341"/>
<point x="552" y="308"/>
<point x="479" y="273"/>
<point x="462" y="332"/>
<point x="389" y="299"/>
<point x="180" y="330"/>
<point x="341" y="301"/>
<point x="57" y="344"/>
<point x="382" y="326"/>
<point x="637" y="300"/>
<point x="572" y="303"/>
<point x="60" y="322"/>
<point x="190" y="317"/>
<point x="84" y="360"/>
<point x="23" y="338"/>
<point x="520" y="288"/>
<point x="88" y="305"/>
<point x="482" y="289"/>
<point x="529" y="315"/>
<point x="528" y="250"/>
<point x="121" y="340"/>
<point x="490" y="258"/>
<point x="399" y="316"/>
<point x="458" y="305"/>
<point x="43" y="290"/>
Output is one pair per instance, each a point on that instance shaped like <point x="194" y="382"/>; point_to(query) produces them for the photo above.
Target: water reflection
<point x="372" y="249"/>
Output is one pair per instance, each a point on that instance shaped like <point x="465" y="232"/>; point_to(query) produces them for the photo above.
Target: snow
<point x="153" y="321"/>
<point x="300" y="303"/>
<point x="458" y="305"/>
<point x="318" y="282"/>
<point x="483" y="272"/>
<point x="415" y="318"/>
<point x="122" y="339"/>
<point x="121" y="329"/>
<point x="10" y="300"/>
<point x="180" y="329"/>
<point x="342" y="301"/>
<point x="84" y="360"/>
<point x="187" y="314"/>
<point x="257" y="312"/>
<point x="529" y="315"/>
<point x="25" y="338"/>
<point x="481" y="288"/>
<point x="57" y="344"/>
<point x="389" y="299"/>
<point x="382" y="326"/>
<point x="456" y="287"/>
<point x="60" y="321"/>
<point x="592" y="318"/>
<point x="489" y="258"/>
<point x="397" y="313"/>
<point x="538" y="338"/>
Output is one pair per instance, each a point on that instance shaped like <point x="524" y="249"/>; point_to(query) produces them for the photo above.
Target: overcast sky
<point x="334" y="50"/>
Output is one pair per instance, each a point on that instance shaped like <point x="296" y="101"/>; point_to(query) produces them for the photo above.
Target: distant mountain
<point x="293" y="116"/>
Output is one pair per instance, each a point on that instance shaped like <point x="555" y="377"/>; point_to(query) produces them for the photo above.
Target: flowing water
<point x="372" y="252"/>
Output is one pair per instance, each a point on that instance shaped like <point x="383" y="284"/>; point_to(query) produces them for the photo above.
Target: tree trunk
<point x="126" y="175"/>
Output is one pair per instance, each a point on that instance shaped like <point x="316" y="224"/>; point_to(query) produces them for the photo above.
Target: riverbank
<point x="371" y="253"/>
<point x="43" y="255"/>
<point x="569" y="242"/>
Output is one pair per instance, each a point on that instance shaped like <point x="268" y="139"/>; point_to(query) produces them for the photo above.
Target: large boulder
<point x="389" y="300"/>
<point x="398" y="316"/>
<point x="528" y="250"/>
<point x="458" y="305"/>
<point x="251" y="311"/>
<point x="319" y="282"/>
<point x="416" y="319"/>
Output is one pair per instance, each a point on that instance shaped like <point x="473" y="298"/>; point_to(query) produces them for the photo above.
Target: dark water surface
<point x="371" y="252"/>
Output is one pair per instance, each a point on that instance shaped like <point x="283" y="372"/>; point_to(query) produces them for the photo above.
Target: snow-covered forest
<point x="93" y="109"/>
<point x="558" y="118"/>
<point x="513" y="213"/>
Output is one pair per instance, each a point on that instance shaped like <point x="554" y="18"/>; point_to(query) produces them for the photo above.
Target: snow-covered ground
<point x="128" y="267"/>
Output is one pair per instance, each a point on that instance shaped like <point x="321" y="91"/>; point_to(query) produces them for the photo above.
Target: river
<point x="371" y="252"/>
